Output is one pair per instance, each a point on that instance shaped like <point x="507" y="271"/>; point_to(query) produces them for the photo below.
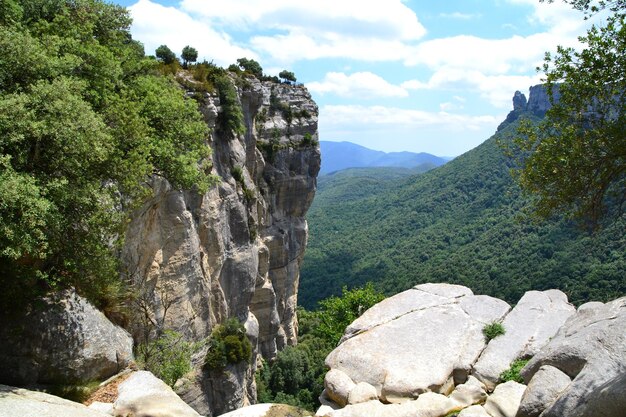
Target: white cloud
<point x="367" y="116"/>
<point x="156" y="25"/>
<point x="497" y="89"/>
<point x="368" y="30"/>
<point x="460" y="16"/>
<point x="357" y="85"/>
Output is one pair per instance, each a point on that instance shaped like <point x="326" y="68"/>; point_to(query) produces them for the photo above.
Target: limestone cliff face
<point x="235" y="251"/>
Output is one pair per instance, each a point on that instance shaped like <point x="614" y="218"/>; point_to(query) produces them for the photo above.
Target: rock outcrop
<point x="434" y="332"/>
<point x="144" y="395"/>
<point x="19" y="402"/>
<point x="423" y="353"/>
<point x="235" y="251"/>
<point x="268" y="410"/>
<point x="61" y="339"/>
<point x="534" y="320"/>
<point x="538" y="103"/>
<point x="590" y="351"/>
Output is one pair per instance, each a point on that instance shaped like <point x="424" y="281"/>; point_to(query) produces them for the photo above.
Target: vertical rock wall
<point x="197" y="260"/>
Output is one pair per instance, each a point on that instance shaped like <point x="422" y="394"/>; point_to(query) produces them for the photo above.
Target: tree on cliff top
<point x="251" y="66"/>
<point x="84" y="119"/>
<point x="189" y="55"/>
<point x="575" y="160"/>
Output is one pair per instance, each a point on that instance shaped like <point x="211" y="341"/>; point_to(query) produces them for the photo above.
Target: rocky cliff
<point x="196" y="260"/>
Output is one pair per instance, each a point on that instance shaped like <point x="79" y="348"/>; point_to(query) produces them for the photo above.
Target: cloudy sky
<point x="392" y="75"/>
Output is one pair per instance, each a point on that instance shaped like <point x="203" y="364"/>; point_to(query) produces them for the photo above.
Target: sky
<point x="391" y="75"/>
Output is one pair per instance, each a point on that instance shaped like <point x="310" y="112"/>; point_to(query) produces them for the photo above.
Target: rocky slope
<point x="235" y="251"/>
<point x="423" y="353"/>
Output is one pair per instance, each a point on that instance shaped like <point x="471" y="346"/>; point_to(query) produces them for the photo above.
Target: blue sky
<point x="392" y="75"/>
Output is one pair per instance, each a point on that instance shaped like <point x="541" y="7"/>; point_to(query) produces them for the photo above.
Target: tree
<point x="189" y="55"/>
<point x="287" y="76"/>
<point x="165" y="54"/>
<point x="85" y="121"/>
<point x="251" y="66"/>
<point x="574" y="161"/>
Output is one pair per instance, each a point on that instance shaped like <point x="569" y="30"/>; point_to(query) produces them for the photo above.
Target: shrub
<point x="237" y="173"/>
<point x="493" y="330"/>
<point x="231" y="117"/>
<point x="513" y="373"/>
<point x="228" y="344"/>
<point x="168" y="357"/>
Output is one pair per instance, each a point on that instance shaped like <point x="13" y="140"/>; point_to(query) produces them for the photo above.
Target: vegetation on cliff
<point x="85" y="118"/>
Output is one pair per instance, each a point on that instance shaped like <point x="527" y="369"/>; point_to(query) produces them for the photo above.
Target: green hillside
<point x="461" y="223"/>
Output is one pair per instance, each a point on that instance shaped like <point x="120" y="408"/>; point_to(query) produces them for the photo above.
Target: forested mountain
<point x="461" y="223"/>
<point x="341" y="155"/>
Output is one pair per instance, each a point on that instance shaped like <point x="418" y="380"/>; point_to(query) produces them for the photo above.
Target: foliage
<point x="188" y="55"/>
<point x="237" y="173"/>
<point x="165" y="54"/>
<point x="84" y="119"/>
<point x="513" y="373"/>
<point x="493" y="330"/>
<point x="336" y="313"/>
<point x="574" y="162"/>
<point x="296" y="377"/>
<point x="228" y="344"/>
<point x="288" y="76"/>
<point x="308" y="140"/>
<point x="461" y="223"/>
<point x="168" y="357"/>
<point x="231" y="118"/>
<point x="250" y="66"/>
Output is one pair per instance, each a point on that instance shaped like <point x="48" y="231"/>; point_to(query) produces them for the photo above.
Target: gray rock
<point x="197" y="260"/>
<point x="361" y="393"/>
<point x="427" y="405"/>
<point x="62" y="339"/>
<point x="505" y="399"/>
<point x="432" y="336"/>
<point x="268" y="410"/>
<point x="18" y="402"/>
<point x="591" y="349"/>
<point x="545" y="387"/>
<point x="474" y="411"/>
<point x="338" y="386"/>
<point x="534" y="320"/>
<point x="144" y="395"/>
<point x="468" y="394"/>
<point x="106" y="408"/>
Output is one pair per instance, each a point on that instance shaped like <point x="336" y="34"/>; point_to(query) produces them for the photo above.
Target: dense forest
<point x="466" y="222"/>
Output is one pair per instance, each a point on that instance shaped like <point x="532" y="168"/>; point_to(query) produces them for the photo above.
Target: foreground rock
<point x="17" y="402"/>
<point x="62" y="340"/>
<point x="590" y="349"/>
<point x="144" y="395"/>
<point x="268" y="410"/>
<point x="424" y="339"/>
<point x="535" y="319"/>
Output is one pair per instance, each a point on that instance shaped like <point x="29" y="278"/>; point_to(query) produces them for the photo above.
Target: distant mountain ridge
<point x="341" y="155"/>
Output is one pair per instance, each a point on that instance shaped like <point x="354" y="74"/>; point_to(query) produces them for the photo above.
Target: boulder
<point x="434" y="332"/>
<point x="268" y="410"/>
<point x="62" y="339"/>
<point x="427" y="405"/>
<point x="361" y="393"/>
<point x="474" y="411"/>
<point x="338" y="386"/>
<point x="534" y="320"/>
<point x="144" y="395"/>
<point x="591" y="350"/>
<point x="468" y="394"/>
<point x="545" y="387"/>
<point x="505" y="399"/>
<point x="18" y="402"/>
